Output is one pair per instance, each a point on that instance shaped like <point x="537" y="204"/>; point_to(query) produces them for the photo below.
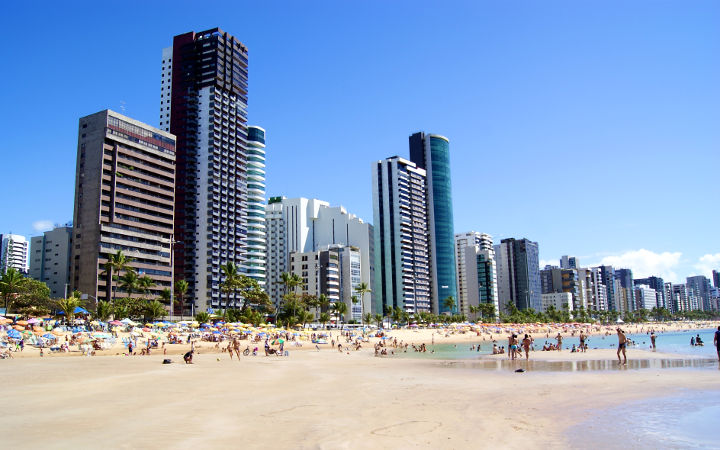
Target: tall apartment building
<point x="573" y="281"/>
<point x="480" y="275"/>
<point x="471" y="239"/>
<point x="561" y="301"/>
<point x="124" y="200"/>
<point x="334" y="271"/>
<point x="256" y="262"/>
<point x="14" y="253"/>
<point x="50" y="259"/>
<point x="645" y="297"/>
<point x="569" y="262"/>
<point x="716" y="278"/>
<point x="518" y="272"/>
<point x="671" y="301"/>
<point x="607" y="275"/>
<point x="599" y="290"/>
<point x="431" y="152"/>
<point x="402" y="241"/>
<point x="625" y="295"/>
<point x="700" y="284"/>
<point x="656" y="283"/>
<point x="301" y="225"/>
<point x="203" y="101"/>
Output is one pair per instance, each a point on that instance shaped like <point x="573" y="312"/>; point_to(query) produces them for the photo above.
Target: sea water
<point x="686" y="420"/>
<point x="677" y="342"/>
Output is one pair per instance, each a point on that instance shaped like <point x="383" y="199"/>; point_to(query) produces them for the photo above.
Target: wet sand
<point x="320" y="400"/>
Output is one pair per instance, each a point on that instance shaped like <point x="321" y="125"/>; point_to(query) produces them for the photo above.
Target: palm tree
<point x="378" y="319"/>
<point x="231" y="282"/>
<point x="290" y="281"/>
<point x="11" y="284"/>
<point x="154" y="310"/>
<point x="202" y="317"/>
<point x="361" y="290"/>
<point x="340" y="309"/>
<point x="449" y="303"/>
<point x="103" y="311"/>
<point x="324" y="319"/>
<point x="115" y="263"/>
<point x="166" y="296"/>
<point x="474" y="310"/>
<point x="367" y="318"/>
<point x="68" y="305"/>
<point x="145" y="283"/>
<point x="130" y="282"/>
<point x="181" y="287"/>
<point x="323" y="303"/>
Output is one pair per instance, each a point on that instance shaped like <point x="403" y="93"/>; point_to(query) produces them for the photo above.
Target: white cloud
<point x="645" y="263"/>
<point x="42" y="225"/>
<point x="708" y="263"/>
<point x="552" y="262"/>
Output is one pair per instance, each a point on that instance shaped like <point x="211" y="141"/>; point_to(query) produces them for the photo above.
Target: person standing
<point x="652" y="340"/>
<point x="716" y="341"/>
<point x="622" y="344"/>
<point x="559" y="341"/>
<point x="526" y="346"/>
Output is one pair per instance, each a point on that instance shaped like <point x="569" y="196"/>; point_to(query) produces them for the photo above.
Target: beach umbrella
<point x="34" y="320"/>
<point x="14" y="334"/>
<point x="49" y="336"/>
<point x="116" y="323"/>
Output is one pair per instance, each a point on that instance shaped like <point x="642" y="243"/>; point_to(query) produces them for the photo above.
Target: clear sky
<point x="591" y="127"/>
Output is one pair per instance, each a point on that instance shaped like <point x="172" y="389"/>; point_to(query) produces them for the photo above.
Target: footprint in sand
<point x="411" y="428"/>
<point x="287" y="410"/>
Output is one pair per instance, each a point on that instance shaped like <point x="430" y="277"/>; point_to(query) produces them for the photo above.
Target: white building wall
<point x="560" y="300"/>
<point x="165" y="88"/>
<point x="14" y="253"/>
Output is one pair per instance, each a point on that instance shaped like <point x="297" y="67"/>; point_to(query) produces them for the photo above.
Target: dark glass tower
<point x="205" y="91"/>
<point x="431" y="152"/>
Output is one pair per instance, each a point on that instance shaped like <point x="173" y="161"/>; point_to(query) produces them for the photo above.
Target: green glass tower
<point x="432" y="153"/>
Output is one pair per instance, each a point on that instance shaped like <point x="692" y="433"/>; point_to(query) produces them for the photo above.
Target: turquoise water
<point x="675" y="342"/>
<point x="688" y="420"/>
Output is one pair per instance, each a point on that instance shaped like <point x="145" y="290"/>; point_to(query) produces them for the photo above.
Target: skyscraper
<point x="124" y="200"/>
<point x="14" y="253"/>
<point x="402" y="260"/>
<point x="656" y="283"/>
<point x="204" y="96"/>
<point x="518" y="269"/>
<point x="625" y="296"/>
<point x="568" y="262"/>
<point x="256" y="262"/>
<point x="700" y="284"/>
<point x="305" y="226"/>
<point x="431" y="152"/>
<point x="716" y="278"/>
<point x="470" y="239"/>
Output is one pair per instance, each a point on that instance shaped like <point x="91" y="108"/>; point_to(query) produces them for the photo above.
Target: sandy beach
<point x="324" y="399"/>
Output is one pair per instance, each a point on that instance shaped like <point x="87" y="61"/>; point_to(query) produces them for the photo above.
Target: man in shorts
<point x="716" y="341"/>
<point x="622" y="344"/>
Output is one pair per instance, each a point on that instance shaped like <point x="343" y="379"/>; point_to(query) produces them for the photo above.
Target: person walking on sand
<point x="716" y="341"/>
<point x="622" y="344"/>
<point x="652" y="340"/>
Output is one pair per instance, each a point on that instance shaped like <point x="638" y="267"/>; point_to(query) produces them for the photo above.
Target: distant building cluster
<point x="183" y="199"/>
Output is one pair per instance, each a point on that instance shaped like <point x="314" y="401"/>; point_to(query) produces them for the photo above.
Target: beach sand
<point x="316" y="399"/>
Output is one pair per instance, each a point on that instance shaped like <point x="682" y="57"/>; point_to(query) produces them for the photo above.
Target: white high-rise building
<point x="402" y="259"/>
<point x="301" y="225"/>
<point x="14" y="253"/>
<point x="256" y="262"/>
<point x="471" y="239"/>
<point x="645" y="297"/>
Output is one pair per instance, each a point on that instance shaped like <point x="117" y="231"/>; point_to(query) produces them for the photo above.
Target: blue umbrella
<point x="49" y="336"/>
<point x="15" y="334"/>
<point x="80" y="310"/>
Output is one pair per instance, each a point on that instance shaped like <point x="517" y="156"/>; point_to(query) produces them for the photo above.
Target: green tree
<point x="68" y="305"/>
<point x="130" y="282"/>
<point x="154" y="310"/>
<point x="340" y="309"/>
<point x="202" y="317"/>
<point x="115" y="263"/>
<point x="33" y="298"/>
<point x="378" y="319"/>
<point x="144" y="284"/>
<point x="104" y="310"/>
<point x="181" y="287"/>
<point x="324" y="319"/>
<point x="449" y="303"/>
<point x="231" y="282"/>
<point x="11" y="284"/>
<point x="361" y="290"/>
<point x="367" y="318"/>
<point x="166" y="296"/>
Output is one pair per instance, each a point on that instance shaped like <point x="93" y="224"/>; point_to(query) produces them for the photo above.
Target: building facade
<point x="561" y="301"/>
<point x="14" y="253"/>
<point x="701" y="286"/>
<point x="50" y="260"/>
<point x="470" y="239"/>
<point x="256" y="261"/>
<point x="124" y="200"/>
<point x="480" y="274"/>
<point x="402" y="259"/>
<point x="656" y="283"/>
<point x="431" y="152"/>
<point x="301" y="225"/>
<point x="645" y="297"/>
<point x="203" y="100"/>
<point x="518" y="274"/>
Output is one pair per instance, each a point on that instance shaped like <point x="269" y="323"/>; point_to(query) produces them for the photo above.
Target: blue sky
<point x="591" y="127"/>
